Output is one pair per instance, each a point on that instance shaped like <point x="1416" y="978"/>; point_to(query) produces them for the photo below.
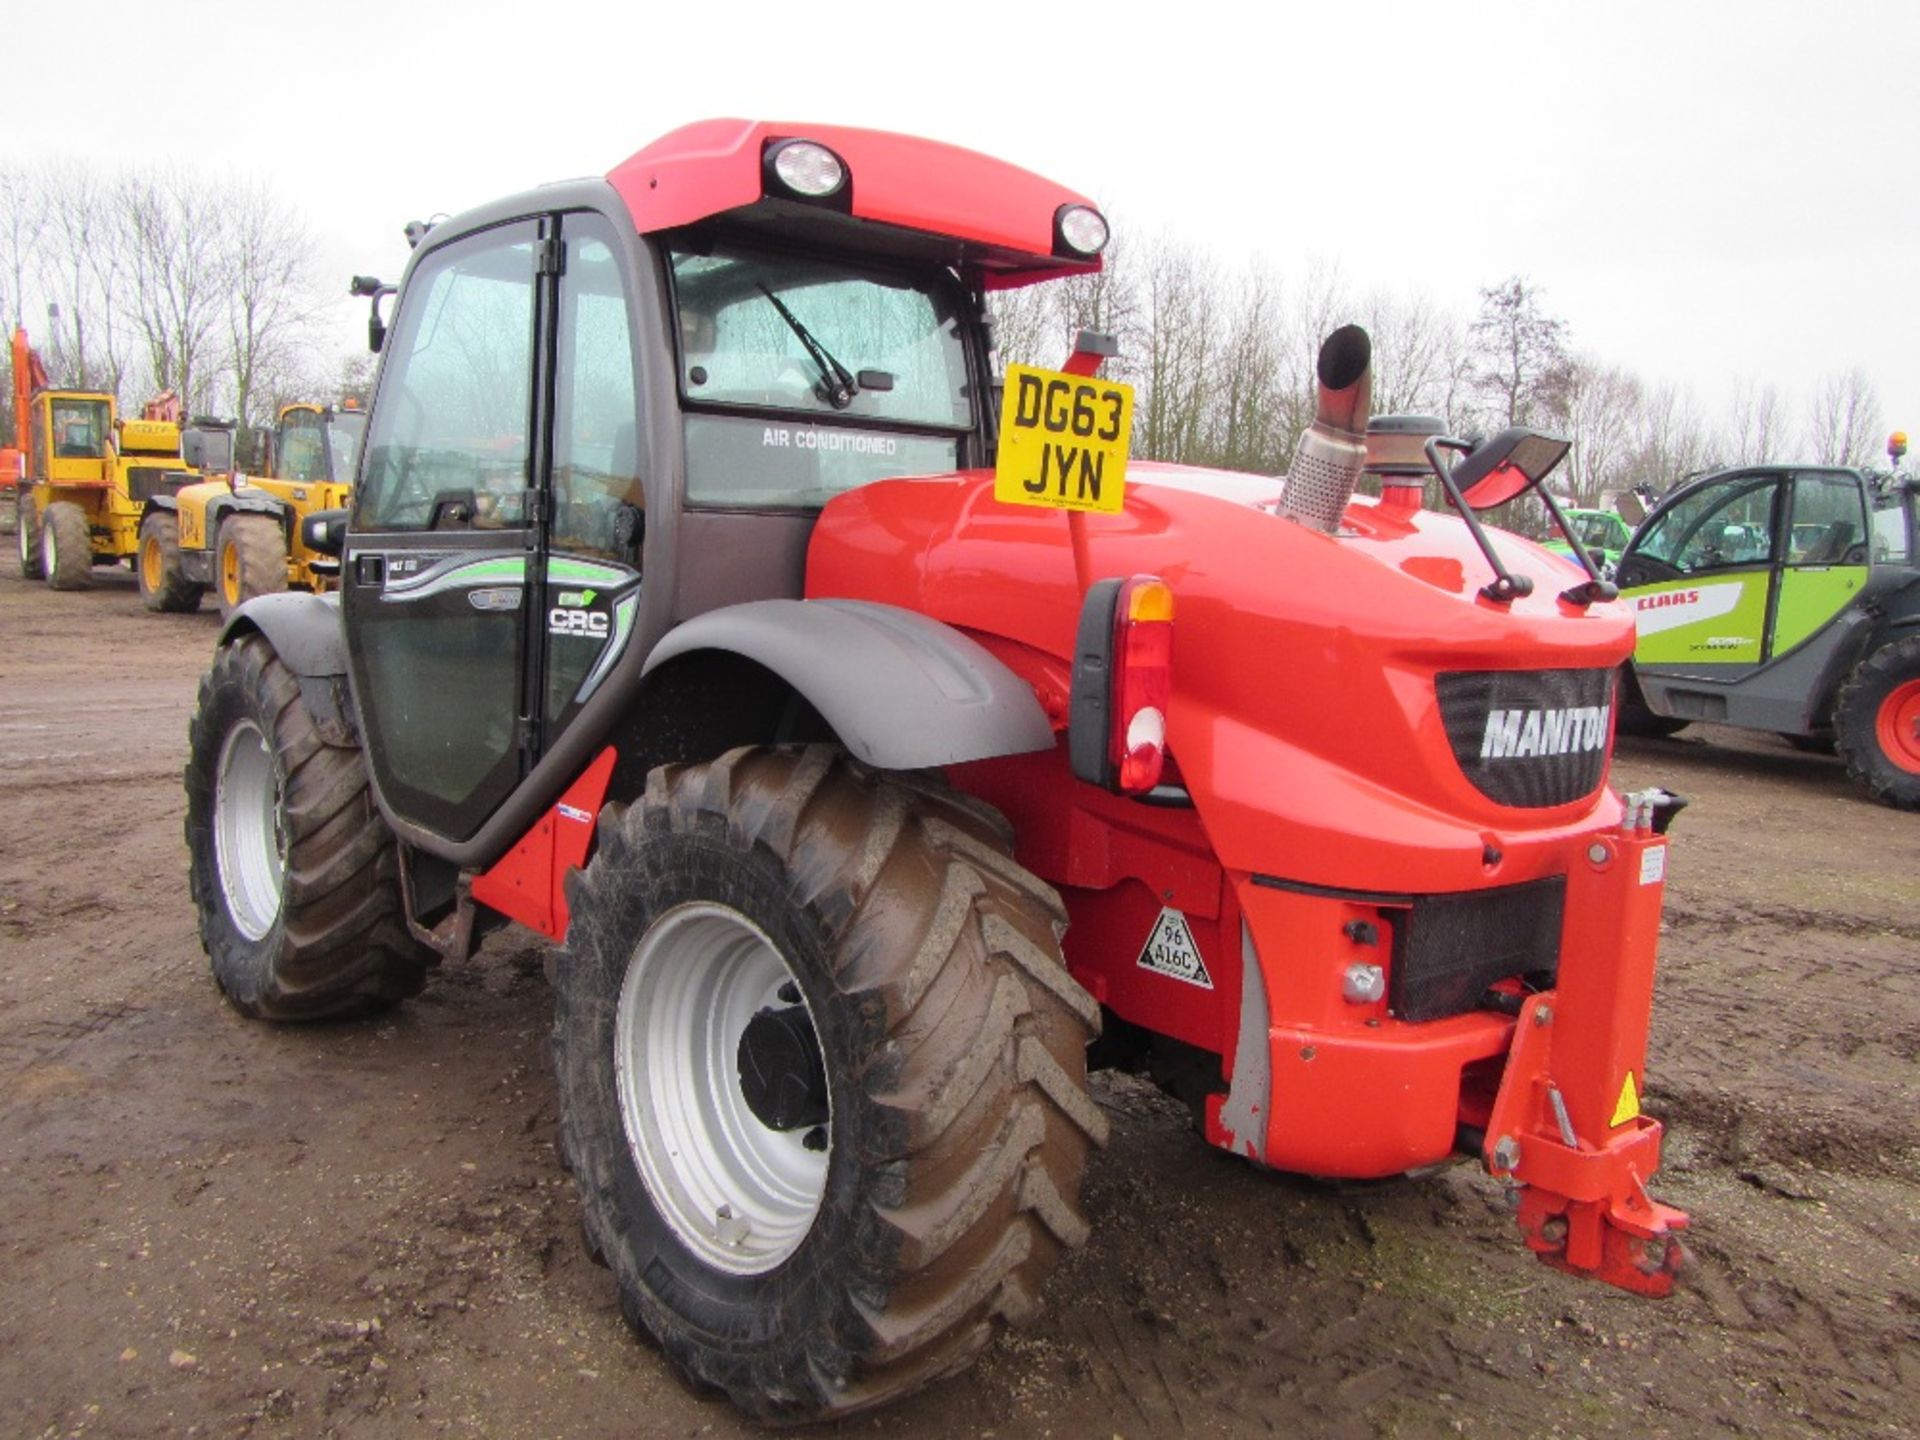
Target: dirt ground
<point x="212" y="1227"/>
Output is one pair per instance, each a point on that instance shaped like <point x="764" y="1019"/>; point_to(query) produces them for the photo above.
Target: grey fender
<point x="307" y="633"/>
<point x="902" y="692"/>
<point x="305" y="630"/>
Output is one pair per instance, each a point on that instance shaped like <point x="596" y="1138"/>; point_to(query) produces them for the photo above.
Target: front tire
<point x="293" y="870"/>
<point x="66" y="547"/>
<point x="163" y="580"/>
<point x="1877" y="724"/>
<point x="822" y="1077"/>
<point x="250" y="558"/>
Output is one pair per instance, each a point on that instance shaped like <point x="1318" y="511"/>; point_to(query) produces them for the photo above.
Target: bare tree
<point x="268" y="257"/>
<point x="1521" y="360"/>
<point x="1600" y="408"/>
<point x="1755" y="425"/>
<point x="84" y="274"/>
<point x="1178" y="299"/>
<point x="177" y="248"/>
<point x="1843" y="423"/>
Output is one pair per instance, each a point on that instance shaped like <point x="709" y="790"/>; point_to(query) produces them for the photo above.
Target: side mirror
<point x="373" y="291"/>
<point x="1507" y="466"/>
<point x="325" y="531"/>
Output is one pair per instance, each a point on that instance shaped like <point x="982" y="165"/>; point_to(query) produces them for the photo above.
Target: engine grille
<point x="1451" y="948"/>
<point x="146" y="481"/>
<point x="1529" y="737"/>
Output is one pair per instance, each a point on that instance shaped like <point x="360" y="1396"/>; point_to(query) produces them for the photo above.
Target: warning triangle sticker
<point x="1628" y="1106"/>
<point x="1170" y="951"/>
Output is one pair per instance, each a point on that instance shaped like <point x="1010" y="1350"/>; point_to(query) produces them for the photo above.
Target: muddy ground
<point x="212" y="1227"/>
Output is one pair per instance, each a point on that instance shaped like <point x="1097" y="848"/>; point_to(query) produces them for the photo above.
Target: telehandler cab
<point x="241" y="536"/>
<point x="1785" y="598"/>
<point x="863" y="804"/>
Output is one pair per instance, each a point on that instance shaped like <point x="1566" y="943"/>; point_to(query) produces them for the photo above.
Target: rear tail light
<point x="1122" y="682"/>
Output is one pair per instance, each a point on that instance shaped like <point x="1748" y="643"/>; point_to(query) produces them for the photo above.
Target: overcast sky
<point x="1705" y="192"/>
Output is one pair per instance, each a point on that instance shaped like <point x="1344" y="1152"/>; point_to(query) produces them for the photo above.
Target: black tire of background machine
<point x="28" y="538"/>
<point x="175" y="593"/>
<point x="954" y="1044"/>
<point x="340" y="943"/>
<point x="260" y="547"/>
<point x="67" y="536"/>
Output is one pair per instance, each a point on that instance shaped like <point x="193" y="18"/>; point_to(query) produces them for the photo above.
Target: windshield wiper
<point x="840" y="385"/>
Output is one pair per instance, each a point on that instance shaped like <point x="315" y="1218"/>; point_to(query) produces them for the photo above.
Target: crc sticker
<point x="495" y="597"/>
<point x="1653" y="865"/>
<point x="1063" y="441"/>
<point x="1170" y="951"/>
<point x="579" y="622"/>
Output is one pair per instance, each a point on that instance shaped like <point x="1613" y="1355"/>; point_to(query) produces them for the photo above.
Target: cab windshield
<point x="806" y="377"/>
<point x="79" y="429"/>
<point x="343" y="443"/>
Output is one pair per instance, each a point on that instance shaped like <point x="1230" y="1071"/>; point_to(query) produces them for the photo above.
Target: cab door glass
<point x="1725" y="526"/>
<point x="600" y="503"/>
<point x="1890" y="522"/>
<point x="447" y="446"/>
<point x="436" y="565"/>
<point x="1828" y="526"/>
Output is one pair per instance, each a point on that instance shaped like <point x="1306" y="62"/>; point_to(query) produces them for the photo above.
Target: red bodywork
<point x="1304" y="724"/>
<point x="1306" y="727"/>
<point x="1001" y="213"/>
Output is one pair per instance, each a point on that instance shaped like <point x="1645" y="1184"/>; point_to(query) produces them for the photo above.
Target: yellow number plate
<point x="1063" y="441"/>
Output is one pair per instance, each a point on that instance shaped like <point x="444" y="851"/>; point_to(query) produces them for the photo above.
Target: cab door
<point x="442" y="552"/>
<point x="1701" y="577"/>
<point x="1825" y="556"/>
<point x="598" y="515"/>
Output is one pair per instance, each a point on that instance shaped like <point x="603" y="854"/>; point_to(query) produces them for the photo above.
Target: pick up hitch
<point x="1566" y="1125"/>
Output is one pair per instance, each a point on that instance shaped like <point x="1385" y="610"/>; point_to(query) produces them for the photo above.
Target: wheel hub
<point x="1898" y="726"/>
<point x="723" y="1090"/>
<point x="782" y="1078"/>
<point x="249" y="840"/>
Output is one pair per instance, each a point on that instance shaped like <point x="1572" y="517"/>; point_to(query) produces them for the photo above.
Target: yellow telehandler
<point x="240" y="536"/>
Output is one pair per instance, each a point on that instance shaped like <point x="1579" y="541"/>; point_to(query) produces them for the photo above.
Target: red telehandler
<point x="879" y="755"/>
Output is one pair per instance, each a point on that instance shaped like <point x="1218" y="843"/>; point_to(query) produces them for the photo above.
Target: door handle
<point x="369" y="570"/>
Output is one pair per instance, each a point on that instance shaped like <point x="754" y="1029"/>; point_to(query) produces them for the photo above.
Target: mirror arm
<point x="1593" y="588"/>
<point x="1505" y="587"/>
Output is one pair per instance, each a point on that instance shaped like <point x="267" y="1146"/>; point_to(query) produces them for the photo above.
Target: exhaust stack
<point x="1333" y="449"/>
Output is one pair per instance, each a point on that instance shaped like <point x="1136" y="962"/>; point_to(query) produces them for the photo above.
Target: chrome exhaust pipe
<point x="1333" y="449"/>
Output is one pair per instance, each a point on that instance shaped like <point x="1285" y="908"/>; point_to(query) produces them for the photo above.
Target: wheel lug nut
<point x="815" y="1139"/>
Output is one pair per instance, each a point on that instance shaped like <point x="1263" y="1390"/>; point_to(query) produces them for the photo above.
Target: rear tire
<point x="1877" y="724"/>
<point x="66" y="547"/>
<point x="163" y="579"/>
<point x="890" y="1162"/>
<point x="250" y="559"/>
<point x="29" y="537"/>
<point x="294" y="871"/>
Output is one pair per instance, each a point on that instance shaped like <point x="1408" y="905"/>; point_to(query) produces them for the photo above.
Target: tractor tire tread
<point x="175" y="594"/>
<point x="340" y="945"/>
<point x="1855" y="716"/>
<point x="978" y="1122"/>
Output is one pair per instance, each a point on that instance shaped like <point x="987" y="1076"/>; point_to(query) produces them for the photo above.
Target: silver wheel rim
<point x="738" y="1193"/>
<point x="21" y="520"/>
<point x="249" y="845"/>
<point x="49" y="558"/>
